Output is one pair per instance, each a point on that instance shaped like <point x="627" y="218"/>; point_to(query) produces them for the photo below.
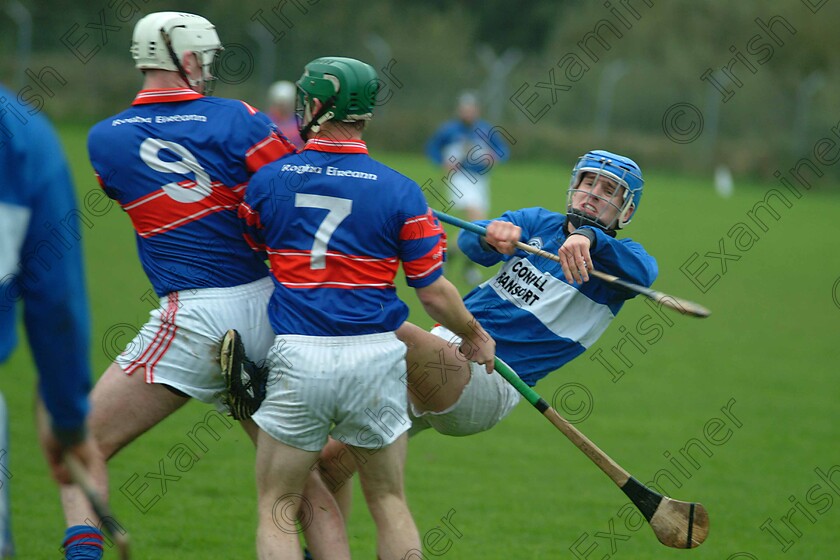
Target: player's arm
<point x="497" y="246"/>
<point x="502" y="236"/>
<point x="422" y="246"/>
<point x="443" y="303"/>
<point x="56" y="309"/>
<point x="55" y="302"/>
<point x="476" y="248"/>
<point x="249" y="215"/>
<point x="265" y="143"/>
<point x="620" y="257"/>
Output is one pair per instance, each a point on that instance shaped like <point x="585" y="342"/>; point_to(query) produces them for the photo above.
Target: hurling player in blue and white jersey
<point x="178" y="162"/>
<point x="336" y="224"/>
<point x="541" y="313"/>
<point x="41" y="265"/>
<point x="467" y="148"/>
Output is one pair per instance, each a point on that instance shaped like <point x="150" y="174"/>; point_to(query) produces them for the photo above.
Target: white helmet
<point x="283" y="93"/>
<point x="161" y="39"/>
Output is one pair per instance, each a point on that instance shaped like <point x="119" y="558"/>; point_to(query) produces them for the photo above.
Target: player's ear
<point x="189" y="63"/>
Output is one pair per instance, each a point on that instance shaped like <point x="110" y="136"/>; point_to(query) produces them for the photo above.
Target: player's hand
<point x="54" y="451"/>
<point x="575" y="259"/>
<point x="503" y="236"/>
<point x="479" y="346"/>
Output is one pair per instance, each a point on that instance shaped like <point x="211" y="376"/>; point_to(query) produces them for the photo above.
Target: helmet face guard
<point x="207" y="60"/>
<point x="618" y="205"/>
<point x="161" y="40"/>
<point x="346" y="88"/>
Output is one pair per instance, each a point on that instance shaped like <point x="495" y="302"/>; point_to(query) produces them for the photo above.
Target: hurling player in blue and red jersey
<point x="178" y="162"/>
<point x="336" y="224"/>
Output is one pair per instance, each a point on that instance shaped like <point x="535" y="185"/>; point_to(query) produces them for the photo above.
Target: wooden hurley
<point x="100" y="506"/>
<point x="676" y="524"/>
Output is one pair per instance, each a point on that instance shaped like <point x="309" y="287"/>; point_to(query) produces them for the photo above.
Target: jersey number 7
<point x="337" y="210"/>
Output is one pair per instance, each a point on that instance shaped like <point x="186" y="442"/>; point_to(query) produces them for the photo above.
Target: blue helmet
<point x="620" y="169"/>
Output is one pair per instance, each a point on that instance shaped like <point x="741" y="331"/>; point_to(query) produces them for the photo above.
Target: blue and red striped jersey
<point x="178" y="163"/>
<point x="336" y="224"/>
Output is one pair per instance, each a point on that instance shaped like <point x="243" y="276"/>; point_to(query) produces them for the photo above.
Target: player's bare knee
<point x="106" y="449"/>
<point x="105" y="438"/>
<point x="382" y="485"/>
<point x="384" y="502"/>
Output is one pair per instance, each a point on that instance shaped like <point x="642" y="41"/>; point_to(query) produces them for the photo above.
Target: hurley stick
<point x="99" y="505"/>
<point x="676" y="524"/>
<point x="684" y="306"/>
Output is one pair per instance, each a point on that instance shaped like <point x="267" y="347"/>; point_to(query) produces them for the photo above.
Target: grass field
<point x="738" y="411"/>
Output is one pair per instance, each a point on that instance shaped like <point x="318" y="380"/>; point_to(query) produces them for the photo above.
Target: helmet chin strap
<point x="168" y="42"/>
<point x="319" y="118"/>
<point x="205" y="85"/>
<point x="577" y="219"/>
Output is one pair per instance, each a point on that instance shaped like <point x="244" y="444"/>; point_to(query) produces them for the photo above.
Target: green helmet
<point x="346" y="87"/>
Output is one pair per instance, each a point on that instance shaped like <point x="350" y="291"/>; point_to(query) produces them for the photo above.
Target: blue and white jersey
<point x="539" y="320"/>
<point x="336" y="224"/>
<point x="476" y="147"/>
<point x="41" y="263"/>
<point x="179" y="163"/>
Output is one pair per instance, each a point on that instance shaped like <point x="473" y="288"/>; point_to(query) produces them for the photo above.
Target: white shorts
<point x="484" y="402"/>
<point x="180" y="344"/>
<point x="470" y="190"/>
<point x="350" y="387"/>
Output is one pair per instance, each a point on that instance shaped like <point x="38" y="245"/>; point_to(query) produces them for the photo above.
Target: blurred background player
<point x="467" y="149"/>
<point x="178" y="162"/>
<point x="281" y="109"/>
<point x="41" y="263"/>
<point x="334" y="248"/>
<point x="542" y="314"/>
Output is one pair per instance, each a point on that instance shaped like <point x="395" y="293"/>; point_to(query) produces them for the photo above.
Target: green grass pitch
<point x="737" y="411"/>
